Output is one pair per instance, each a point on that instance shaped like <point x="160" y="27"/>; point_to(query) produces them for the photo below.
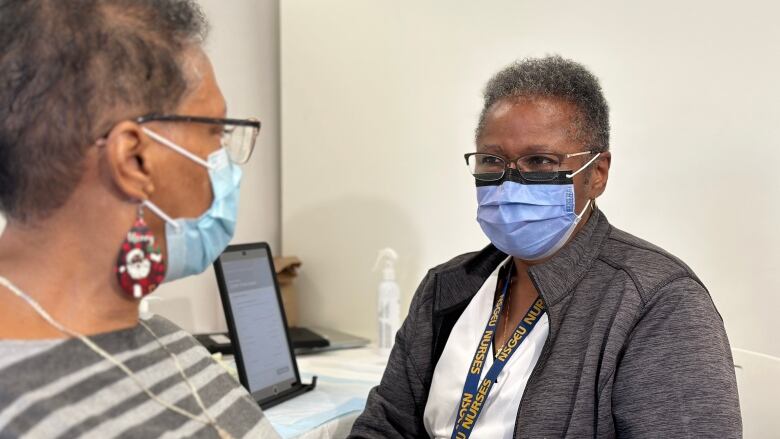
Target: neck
<point x="522" y="288"/>
<point x="65" y="264"/>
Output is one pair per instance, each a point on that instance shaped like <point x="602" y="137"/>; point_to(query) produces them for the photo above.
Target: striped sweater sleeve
<point x="62" y="389"/>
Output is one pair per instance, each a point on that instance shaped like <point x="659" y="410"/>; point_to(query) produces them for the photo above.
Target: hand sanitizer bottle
<point x="388" y="301"/>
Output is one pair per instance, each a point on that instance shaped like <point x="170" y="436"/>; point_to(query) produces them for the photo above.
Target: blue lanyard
<point x="475" y="393"/>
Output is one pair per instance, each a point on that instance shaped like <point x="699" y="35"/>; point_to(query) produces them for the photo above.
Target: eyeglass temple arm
<point x="585" y="166"/>
<point x="577" y="154"/>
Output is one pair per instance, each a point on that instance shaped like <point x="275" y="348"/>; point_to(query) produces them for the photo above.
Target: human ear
<point x="126" y="155"/>
<point x="600" y="175"/>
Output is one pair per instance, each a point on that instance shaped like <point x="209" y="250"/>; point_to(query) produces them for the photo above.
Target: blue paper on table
<point x="311" y="422"/>
<point x="345" y="380"/>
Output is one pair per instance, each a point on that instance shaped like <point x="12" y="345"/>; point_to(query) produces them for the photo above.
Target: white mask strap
<point x="177" y="148"/>
<point x="583" y="167"/>
<point x="157" y="211"/>
<point x="584" y="209"/>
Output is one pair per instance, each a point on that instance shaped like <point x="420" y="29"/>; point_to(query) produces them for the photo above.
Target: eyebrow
<point x="531" y="149"/>
<point x="492" y="147"/>
<point x="538" y="148"/>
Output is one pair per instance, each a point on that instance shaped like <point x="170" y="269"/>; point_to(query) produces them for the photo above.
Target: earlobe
<point x="127" y="161"/>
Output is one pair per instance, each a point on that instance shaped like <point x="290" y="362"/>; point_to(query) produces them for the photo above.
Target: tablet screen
<point x="258" y="319"/>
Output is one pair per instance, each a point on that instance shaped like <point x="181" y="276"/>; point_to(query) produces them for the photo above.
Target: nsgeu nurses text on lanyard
<point x="475" y="393"/>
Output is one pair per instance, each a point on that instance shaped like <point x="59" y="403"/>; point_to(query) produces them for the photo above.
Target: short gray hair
<point x="554" y="77"/>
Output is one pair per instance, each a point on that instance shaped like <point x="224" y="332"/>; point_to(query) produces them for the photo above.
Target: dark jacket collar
<point x="555" y="278"/>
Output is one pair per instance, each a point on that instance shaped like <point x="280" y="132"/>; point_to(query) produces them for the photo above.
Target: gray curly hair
<point x="556" y="77"/>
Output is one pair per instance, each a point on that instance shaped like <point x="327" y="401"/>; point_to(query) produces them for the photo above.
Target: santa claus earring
<point x="140" y="267"/>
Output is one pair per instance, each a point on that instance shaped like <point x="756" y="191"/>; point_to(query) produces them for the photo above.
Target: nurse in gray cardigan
<point x="564" y="326"/>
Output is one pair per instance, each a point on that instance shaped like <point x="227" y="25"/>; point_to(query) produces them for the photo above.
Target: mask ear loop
<point x="588" y="204"/>
<point x="157" y="211"/>
<point x="177" y="148"/>
<point x="584" y="209"/>
<point x="585" y="166"/>
<point x="162" y="140"/>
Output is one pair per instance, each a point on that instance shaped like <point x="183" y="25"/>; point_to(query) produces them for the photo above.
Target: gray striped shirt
<point x="61" y="389"/>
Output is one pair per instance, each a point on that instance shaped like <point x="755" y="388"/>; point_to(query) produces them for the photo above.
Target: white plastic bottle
<point x="388" y="301"/>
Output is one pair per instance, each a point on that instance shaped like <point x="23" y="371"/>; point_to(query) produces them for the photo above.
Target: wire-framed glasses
<point x="238" y="135"/>
<point x="532" y="167"/>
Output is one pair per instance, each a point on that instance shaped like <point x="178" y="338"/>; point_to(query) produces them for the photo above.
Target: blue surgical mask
<point x="195" y="243"/>
<point x="530" y="221"/>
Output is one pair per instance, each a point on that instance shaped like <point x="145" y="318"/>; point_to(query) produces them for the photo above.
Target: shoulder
<point x="425" y="290"/>
<point x="16" y="351"/>
<point x="481" y="262"/>
<point x="651" y="268"/>
<point x="455" y="281"/>
<point x="162" y="326"/>
<point x="456" y="263"/>
<point x="170" y="333"/>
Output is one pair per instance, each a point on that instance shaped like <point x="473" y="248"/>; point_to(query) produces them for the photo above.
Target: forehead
<point x="522" y="125"/>
<point x="204" y="97"/>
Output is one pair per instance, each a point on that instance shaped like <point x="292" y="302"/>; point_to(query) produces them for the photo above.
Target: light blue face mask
<point x="530" y="221"/>
<point x="195" y="243"/>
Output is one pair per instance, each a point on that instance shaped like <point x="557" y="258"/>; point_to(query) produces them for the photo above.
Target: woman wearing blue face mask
<point x="564" y="326"/>
<point x="118" y="171"/>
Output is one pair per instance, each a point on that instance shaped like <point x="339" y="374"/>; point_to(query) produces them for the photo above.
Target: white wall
<point x="244" y="48"/>
<point x="380" y="100"/>
<point x="758" y="379"/>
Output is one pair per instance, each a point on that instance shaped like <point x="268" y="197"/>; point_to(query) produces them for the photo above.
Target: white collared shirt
<point x="497" y="419"/>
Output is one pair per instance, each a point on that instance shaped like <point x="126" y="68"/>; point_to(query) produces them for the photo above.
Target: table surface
<point x="344" y="378"/>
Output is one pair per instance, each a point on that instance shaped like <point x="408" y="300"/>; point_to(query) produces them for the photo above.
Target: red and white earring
<point x="140" y="267"/>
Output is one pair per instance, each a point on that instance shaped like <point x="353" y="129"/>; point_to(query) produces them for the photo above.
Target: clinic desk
<point x="344" y="380"/>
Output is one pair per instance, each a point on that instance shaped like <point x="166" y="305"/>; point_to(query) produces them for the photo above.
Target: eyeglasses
<point x="238" y="135"/>
<point x="532" y="167"/>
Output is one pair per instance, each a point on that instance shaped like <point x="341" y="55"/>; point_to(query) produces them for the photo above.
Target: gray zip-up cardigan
<point x="636" y="347"/>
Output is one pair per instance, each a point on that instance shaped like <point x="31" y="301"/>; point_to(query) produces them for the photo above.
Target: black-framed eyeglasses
<point x="238" y="135"/>
<point x="543" y="166"/>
